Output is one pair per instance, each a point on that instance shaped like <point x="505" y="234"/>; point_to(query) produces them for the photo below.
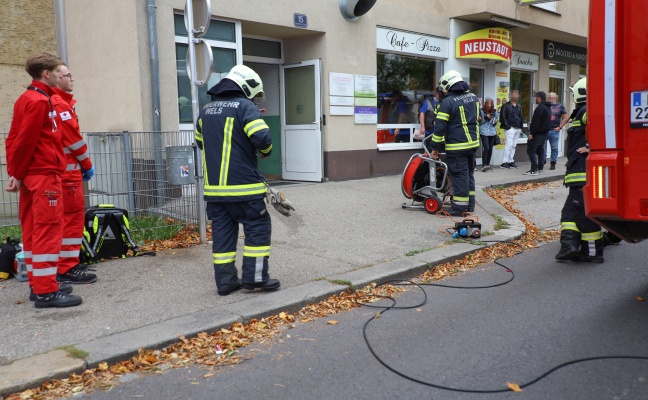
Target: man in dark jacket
<point x="230" y="131"/>
<point x="538" y="132"/>
<point x="511" y="120"/>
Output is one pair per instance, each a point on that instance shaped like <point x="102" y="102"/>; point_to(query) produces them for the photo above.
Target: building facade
<point x="330" y="83"/>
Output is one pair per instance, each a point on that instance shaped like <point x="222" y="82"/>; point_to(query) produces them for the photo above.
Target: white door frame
<point x="302" y="156"/>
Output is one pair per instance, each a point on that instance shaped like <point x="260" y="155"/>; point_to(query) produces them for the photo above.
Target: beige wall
<point x="27" y="28"/>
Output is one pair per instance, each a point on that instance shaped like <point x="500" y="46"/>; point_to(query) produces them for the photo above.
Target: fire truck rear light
<point x="604" y="182"/>
<point x="644" y="207"/>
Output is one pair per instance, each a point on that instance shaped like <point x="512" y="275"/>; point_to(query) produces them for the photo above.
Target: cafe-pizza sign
<point x="489" y="43"/>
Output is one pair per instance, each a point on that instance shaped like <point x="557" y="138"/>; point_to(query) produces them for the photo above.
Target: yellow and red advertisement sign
<point x="489" y="43"/>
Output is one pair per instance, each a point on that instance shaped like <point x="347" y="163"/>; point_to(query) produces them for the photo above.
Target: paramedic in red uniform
<point x="78" y="167"/>
<point x="230" y="132"/>
<point x="35" y="164"/>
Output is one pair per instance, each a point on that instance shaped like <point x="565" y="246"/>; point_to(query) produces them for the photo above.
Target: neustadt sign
<point x="561" y="52"/>
<point x="490" y="43"/>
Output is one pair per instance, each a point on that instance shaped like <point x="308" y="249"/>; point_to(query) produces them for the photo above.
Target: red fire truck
<point x="616" y="194"/>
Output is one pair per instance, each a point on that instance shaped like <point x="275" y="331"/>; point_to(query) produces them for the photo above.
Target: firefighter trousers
<point x="73" y="220"/>
<point x="577" y="228"/>
<point x="41" y="221"/>
<point x="254" y="217"/>
<point x="461" y="169"/>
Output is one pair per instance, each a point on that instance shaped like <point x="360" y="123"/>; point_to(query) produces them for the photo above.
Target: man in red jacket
<point x="35" y="164"/>
<point x="79" y="166"/>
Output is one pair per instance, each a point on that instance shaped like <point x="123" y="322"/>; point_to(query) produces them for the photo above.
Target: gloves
<point x="87" y="173"/>
<point x="278" y="200"/>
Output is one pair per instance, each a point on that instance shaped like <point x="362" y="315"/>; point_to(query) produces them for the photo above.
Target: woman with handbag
<point x="487" y="132"/>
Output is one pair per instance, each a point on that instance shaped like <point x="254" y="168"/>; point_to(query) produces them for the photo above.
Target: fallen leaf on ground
<point x="514" y="387"/>
<point x="640" y="298"/>
<point x="332" y="322"/>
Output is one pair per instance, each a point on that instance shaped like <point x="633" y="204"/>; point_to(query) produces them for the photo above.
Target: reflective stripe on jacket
<point x="74" y="147"/>
<point x="230" y="130"/>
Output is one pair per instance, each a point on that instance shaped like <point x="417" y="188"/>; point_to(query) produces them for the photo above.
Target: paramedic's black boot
<point x="591" y="252"/>
<point x="270" y="284"/>
<point x="62" y="288"/>
<point x="77" y="275"/>
<point x="233" y="288"/>
<point x="569" y="245"/>
<point x="56" y="299"/>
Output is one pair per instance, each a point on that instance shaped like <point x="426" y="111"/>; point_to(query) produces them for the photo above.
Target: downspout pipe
<point x="155" y="103"/>
<point x="61" y="34"/>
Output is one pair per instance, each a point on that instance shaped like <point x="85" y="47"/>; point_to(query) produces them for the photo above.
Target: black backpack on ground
<point x="106" y="234"/>
<point x="8" y="251"/>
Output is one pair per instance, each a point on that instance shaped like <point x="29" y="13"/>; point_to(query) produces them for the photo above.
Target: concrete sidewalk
<point x="353" y="231"/>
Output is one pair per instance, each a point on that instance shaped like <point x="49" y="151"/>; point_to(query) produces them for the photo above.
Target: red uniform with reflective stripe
<point x="77" y="157"/>
<point x="35" y="157"/>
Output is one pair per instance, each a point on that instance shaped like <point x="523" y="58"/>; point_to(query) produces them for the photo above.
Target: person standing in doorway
<point x="511" y="121"/>
<point x="487" y="132"/>
<point x="538" y="131"/>
<point x="559" y="118"/>
<point x="35" y="164"/>
<point x="79" y="168"/>
<point x="230" y="131"/>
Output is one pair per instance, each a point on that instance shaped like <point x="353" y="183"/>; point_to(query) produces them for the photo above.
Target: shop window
<point x="523" y="83"/>
<point x="403" y="85"/>
<point x="221" y="36"/>
<point x="261" y="48"/>
<point x="582" y="72"/>
<point x="557" y="85"/>
<point x="553" y="66"/>
<point x="477" y="82"/>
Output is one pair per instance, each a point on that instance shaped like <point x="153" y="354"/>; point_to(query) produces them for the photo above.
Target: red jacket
<point x="33" y="144"/>
<point x="74" y="147"/>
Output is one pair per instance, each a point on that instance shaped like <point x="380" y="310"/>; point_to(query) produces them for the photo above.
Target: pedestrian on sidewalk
<point x="511" y="120"/>
<point x="35" y="164"/>
<point x="487" y="132"/>
<point x="456" y="126"/>
<point x="559" y="118"/>
<point x="538" y="132"/>
<point x="79" y="168"/>
<point x="581" y="238"/>
<point x="230" y="131"/>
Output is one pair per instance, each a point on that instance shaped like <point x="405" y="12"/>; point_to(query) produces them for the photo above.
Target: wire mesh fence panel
<point x="8" y="201"/>
<point x="150" y="174"/>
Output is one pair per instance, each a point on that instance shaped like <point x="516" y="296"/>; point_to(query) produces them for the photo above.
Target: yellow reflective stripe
<point x="227" y="151"/>
<point x="576" y="123"/>
<point x="477" y="124"/>
<point x="591" y="236"/>
<point x="471" y="193"/>
<point x="437" y="139"/>
<point x="256" y="251"/>
<point x="255" y="126"/>
<point x="235" y="190"/>
<point x="266" y="151"/>
<point x="569" y="226"/>
<point x="204" y="165"/>
<point x="584" y="118"/>
<point x="462" y="146"/>
<point x="457" y="198"/>
<point x="224" y="258"/>
<point x="198" y="135"/>
<point x="464" y="123"/>
<point x="443" y="116"/>
<point x="576" y="177"/>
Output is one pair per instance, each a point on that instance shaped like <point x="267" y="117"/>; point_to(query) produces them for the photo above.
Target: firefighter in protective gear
<point x="78" y="167"/>
<point x="35" y="164"/>
<point x="581" y="238"/>
<point x="230" y="131"/>
<point x="456" y="126"/>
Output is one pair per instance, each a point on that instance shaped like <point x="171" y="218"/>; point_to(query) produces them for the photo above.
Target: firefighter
<point x="456" y="126"/>
<point x="78" y="167"/>
<point x="230" y="131"/>
<point x="581" y="238"/>
<point x="35" y="164"/>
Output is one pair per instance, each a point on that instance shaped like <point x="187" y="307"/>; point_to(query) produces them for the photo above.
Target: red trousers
<point x="73" y="220"/>
<point x="41" y="220"/>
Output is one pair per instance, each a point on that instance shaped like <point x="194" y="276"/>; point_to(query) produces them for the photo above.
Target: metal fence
<point x="150" y="174"/>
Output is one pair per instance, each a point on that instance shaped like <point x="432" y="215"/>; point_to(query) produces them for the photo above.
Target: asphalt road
<point x="551" y="313"/>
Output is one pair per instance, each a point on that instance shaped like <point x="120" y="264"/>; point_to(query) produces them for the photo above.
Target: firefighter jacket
<point x="230" y="130"/>
<point x="74" y="147"/>
<point x="576" y="138"/>
<point x="33" y="144"/>
<point x="456" y="123"/>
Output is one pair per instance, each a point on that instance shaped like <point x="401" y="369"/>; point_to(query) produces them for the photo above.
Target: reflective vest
<point x="456" y="123"/>
<point x="230" y="130"/>
<point x="576" y="138"/>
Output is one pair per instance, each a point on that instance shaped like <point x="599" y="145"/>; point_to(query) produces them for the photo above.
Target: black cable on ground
<point x="394" y="306"/>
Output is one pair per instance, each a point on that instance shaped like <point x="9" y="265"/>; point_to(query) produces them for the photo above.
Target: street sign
<point x="201" y="16"/>
<point x="204" y="62"/>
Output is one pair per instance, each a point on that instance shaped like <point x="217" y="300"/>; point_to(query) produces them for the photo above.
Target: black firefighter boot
<point x="591" y="252"/>
<point x="569" y="245"/>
